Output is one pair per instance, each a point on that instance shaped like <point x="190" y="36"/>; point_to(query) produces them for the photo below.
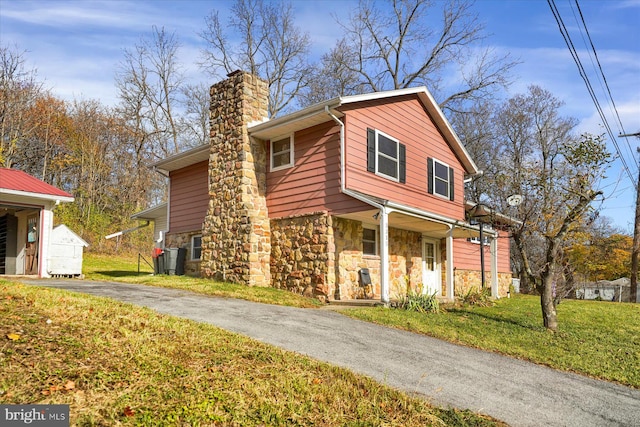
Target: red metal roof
<point x="17" y="180"/>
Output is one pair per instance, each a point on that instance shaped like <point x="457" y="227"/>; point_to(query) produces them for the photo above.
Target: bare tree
<point x="405" y="44"/>
<point x="149" y="83"/>
<point x="261" y="38"/>
<point x="19" y="90"/>
<point x="558" y="174"/>
<point x="195" y="119"/>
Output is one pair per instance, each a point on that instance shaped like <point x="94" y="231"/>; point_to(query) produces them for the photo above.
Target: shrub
<point x="422" y="303"/>
<point x="475" y="296"/>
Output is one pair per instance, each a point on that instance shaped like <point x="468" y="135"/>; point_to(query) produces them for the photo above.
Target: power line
<point x="574" y="53"/>
<point x="606" y="84"/>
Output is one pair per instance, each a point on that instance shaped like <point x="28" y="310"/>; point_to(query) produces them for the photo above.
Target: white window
<point x="387" y="156"/>
<point x="440" y="177"/>
<point x="196" y="248"/>
<point x="485" y="237"/>
<point x="281" y="153"/>
<point x="369" y="241"/>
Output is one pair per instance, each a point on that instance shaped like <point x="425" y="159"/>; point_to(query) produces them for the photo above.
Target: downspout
<point x="384" y="215"/>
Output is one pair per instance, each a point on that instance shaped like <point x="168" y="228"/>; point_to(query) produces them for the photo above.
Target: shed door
<point x="31" y="259"/>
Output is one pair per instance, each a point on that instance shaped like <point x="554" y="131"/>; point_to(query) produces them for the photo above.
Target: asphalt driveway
<point x="517" y="392"/>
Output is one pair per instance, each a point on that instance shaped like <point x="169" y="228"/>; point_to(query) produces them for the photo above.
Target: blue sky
<point x="76" y="47"/>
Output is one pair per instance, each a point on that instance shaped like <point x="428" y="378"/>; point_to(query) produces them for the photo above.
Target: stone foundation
<point x="302" y="254"/>
<point x="405" y="262"/>
<point x="183" y="240"/>
<point x="464" y="280"/>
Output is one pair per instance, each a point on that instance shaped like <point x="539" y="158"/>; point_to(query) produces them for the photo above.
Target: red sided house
<point x="356" y="197"/>
<point x="26" y="222"/>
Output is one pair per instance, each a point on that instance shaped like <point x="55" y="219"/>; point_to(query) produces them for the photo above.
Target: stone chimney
<point x="236" y="238"/>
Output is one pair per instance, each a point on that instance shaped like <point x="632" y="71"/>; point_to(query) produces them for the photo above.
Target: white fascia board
<point x="40" y="196"/>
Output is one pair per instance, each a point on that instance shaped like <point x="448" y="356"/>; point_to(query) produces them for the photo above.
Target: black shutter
<point x="430" y="175"/>
<point x="403" y="164"/>
<point x="371" y="150"/>
<point x="451" y="175"/>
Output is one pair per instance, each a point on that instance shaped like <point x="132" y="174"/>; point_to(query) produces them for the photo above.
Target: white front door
<point x="430" y="267"/>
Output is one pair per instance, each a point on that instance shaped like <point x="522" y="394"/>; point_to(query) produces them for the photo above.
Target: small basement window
<point x="281" y="153"/>
<point x="196" y="248"/>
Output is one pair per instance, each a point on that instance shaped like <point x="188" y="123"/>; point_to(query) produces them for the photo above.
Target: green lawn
<point x="118" y="364"/>
<point x="125" y="269"/>
<point x="595" y="338"/>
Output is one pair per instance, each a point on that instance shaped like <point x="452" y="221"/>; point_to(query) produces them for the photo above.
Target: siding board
<point x="406" y="119"/>
<point x="466" y="255"/>
<point x="189" y="195"/>
<point x="313" y="183"/>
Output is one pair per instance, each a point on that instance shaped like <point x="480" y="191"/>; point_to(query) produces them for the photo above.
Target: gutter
<point x="384" y="215"/>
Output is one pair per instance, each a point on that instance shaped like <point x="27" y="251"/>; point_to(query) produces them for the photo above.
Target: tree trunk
<point x="549" y="314"/>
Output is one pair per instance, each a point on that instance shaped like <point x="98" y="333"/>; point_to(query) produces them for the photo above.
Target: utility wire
<point x="606" y="84"/>
<point x="585" y="78"/>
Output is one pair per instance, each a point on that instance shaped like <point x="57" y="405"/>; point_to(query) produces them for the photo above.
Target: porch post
<point x="384" y="255"/>
<point x="449" y="264"/>
<point x="46" y="226"/>
<point x="494" y="266"/>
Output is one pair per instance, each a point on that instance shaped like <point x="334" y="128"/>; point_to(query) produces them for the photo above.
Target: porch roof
<point x="421" y="222"/>
<point x="14" y="182"/>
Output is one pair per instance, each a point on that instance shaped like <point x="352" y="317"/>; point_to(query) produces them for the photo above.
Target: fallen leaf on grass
<point x="13" y="336"/>
<point x="317" y="381"/>
<point x="68" y="386"/>
<point x="128" y="412"/>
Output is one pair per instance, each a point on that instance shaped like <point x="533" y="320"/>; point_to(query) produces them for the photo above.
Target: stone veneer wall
<point x="464" y="280"/>
<point x="183" y="240"/>
<point x="302" y="254"/>
<point x="349" y="259"/>
<point x="405" y="261"/>
<point x="236" y="238"/>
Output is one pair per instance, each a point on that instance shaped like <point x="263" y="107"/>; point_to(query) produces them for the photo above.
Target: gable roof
<point x="63" y="235"/>
<point x="318" y="113"/>
<point x="17" y="182"/>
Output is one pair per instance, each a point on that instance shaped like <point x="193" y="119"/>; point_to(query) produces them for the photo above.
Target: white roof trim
<point x="183" y="159"/>
<point x="41" y="196"/>
<point x="152" y="213"/>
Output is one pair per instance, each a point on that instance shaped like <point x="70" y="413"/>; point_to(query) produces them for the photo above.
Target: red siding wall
<point x="313" y="183"/>
<point x="405" y="119"/>
<point x="189" y="195"/>
<point x="466" y="255"/>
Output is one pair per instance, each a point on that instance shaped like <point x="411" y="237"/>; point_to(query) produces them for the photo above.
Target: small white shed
<point x="66" y="252"/>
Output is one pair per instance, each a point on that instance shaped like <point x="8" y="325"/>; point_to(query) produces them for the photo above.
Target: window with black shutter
<point x="440" y="178"/>
<point x="386" y="156"/>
